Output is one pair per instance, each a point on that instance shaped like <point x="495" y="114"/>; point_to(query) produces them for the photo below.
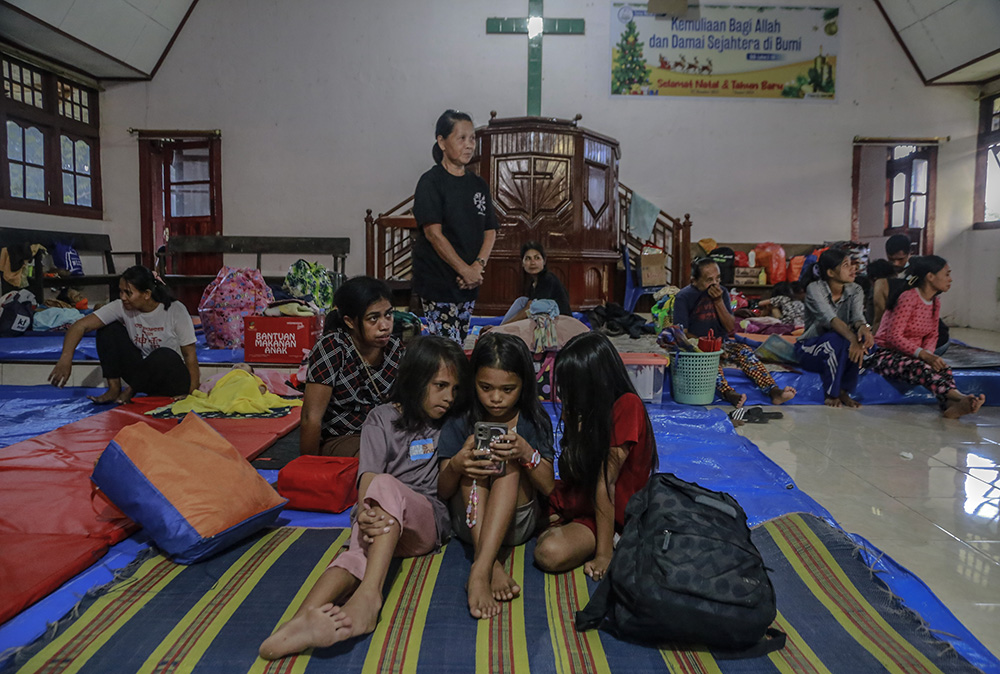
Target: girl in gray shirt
<point x="398" y="512"/>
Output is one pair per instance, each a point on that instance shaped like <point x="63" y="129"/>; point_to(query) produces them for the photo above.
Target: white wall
<point x="328" y="108"/>
<point x="974" y="299"/>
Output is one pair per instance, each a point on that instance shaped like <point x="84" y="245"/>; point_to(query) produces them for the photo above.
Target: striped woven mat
<point x="211" y="617"/>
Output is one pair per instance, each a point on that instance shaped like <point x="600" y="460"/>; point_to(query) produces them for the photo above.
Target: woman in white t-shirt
<point x="145" y="338"/>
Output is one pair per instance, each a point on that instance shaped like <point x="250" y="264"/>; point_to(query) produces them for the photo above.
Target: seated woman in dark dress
<point x="539" y="284"/>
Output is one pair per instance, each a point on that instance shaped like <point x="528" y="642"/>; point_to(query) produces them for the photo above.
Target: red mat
<point x="49" y="528"/>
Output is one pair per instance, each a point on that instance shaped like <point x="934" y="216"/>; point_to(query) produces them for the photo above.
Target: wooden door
<point x="181" y="189"/>
<point x="189" y="203"/>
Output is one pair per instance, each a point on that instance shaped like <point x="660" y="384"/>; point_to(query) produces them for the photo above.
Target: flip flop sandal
<point x="753" y="415"/>
<point x="743" y="415"/>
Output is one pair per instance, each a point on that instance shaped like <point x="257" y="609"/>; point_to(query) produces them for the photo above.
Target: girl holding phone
<point x="493" y="494"/>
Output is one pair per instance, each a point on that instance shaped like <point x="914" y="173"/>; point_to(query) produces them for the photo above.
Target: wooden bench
<point x="84" y="243"/>
<point x="305" y="246"/>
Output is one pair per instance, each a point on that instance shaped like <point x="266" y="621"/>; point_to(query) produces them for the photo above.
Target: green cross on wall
<point x="534" y="26"/>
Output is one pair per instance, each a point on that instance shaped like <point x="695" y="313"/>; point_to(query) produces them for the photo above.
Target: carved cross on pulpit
<point x="534" y="26"/>
<point x="538" y="188"/>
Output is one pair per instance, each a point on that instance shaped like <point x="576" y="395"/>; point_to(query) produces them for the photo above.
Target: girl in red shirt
<point x="908" y="334"/>
<point x="608" y="454"/>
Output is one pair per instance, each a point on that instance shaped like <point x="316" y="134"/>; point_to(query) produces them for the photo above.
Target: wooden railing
<point x="669" y="233"/>
<point x="389" y="244"/>
<point x="389" y="241"/>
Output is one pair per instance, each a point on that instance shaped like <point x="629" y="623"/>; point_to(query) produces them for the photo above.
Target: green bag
<point x="663" y="312"/>
<point x="312" y="279"/>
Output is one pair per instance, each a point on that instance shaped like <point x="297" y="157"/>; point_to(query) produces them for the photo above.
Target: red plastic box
<point x="279" y="339"/>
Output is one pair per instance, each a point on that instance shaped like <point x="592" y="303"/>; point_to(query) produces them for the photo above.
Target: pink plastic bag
<point x="234" y="294"/>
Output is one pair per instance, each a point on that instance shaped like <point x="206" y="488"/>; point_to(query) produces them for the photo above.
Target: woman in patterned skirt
<point x="456" y="230"/>
<point x="907" y="337"/>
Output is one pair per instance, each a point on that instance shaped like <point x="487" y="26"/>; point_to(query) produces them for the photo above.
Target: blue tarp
<point x="27" y="411"/>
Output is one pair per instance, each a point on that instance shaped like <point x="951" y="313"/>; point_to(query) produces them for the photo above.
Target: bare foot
<point x="482" y="605"/>
<point x="967" y="404"/>
<point x="504" y="587"/>
<point x="109" y="396"/>
<point x="734" y="398"/>
<point x="361" y="613"/>
<point x="782" y="395"/>
<point x="848" y="400"/>
<point x="832" y="402"/>
<point x="317" y="627"/>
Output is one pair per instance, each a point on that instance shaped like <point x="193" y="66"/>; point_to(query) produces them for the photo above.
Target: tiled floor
<point x="923" y="489"/>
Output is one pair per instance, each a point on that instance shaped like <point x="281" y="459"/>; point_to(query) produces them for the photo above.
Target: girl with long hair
<point x="398" y="512"/>
<point x="494" y="495"/>
<point x="538" y="284"/>
<point x="608" y="453"/>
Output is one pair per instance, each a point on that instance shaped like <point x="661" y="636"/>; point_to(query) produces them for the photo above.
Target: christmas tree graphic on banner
<point x="630" y="69"/>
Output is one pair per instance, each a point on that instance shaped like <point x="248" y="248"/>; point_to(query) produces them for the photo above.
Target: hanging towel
<point x="642" y="216"/>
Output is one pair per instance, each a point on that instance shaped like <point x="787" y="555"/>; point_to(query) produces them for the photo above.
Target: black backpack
<point x="725" y="257"/>
<point x="17" y="314"/>
<point x="685" y="573"/>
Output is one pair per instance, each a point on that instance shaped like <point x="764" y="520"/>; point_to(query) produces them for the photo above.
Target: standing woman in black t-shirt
<point x="456" y="230"/>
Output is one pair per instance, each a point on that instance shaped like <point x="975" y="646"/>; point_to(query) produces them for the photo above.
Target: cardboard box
<point x="750" y="276"/>
<point x="647" y="372"/>
<point x="279" y="339"/>
<point x="652" y="269"/>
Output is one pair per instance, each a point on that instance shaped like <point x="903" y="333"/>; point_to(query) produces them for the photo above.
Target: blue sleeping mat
<point x="47" y="347"/>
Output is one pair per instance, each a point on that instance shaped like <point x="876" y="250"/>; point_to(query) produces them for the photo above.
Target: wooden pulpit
<point x="557" y="183"/>
<point x="554" y="182"/>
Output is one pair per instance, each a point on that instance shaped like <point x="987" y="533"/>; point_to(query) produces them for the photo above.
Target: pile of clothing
<point x="15" y="263"/>
<point x="613" y="320"/>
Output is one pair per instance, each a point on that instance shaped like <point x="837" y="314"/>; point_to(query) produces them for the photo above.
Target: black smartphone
<point x="487" y="432"/>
